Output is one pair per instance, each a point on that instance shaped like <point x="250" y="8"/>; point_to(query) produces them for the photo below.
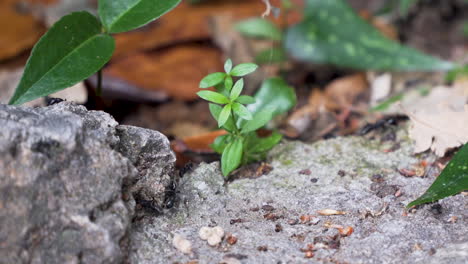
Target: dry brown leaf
<point x="440" y="131"/>
<point x="330" y="212"/>
<point x="185" y="23"/>
<point x="18" y="32"/>
<point x="344" y="92"/>
<point x="176" y="72"/>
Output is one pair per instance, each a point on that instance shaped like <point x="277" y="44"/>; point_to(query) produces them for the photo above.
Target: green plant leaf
<point x="264" y="144"/>
<point x="259" y="120"/>
<point x="231" y="157"/>
<point x="212" y="79"/>
<point x="271" y="55"/>
<point x="452" y="180"/>
<point x="243" y="69"/>
<point x="228" y="66"/>
<point x="245" y="99"/>
<point x="242" y="111"/>
<point x="237" y="89"/>
<point x="215" y="111"/>
<point x="275" y="94"/>
<point x="228" y="83"/>
<point x="259" y="28"/>
<point x="125" y="15"/>
<point x="220" y="143"/>
<point x="224" y="115"/>
<point x="213" y="97"/>
<point x="71" y="51"/>
<point x="332" y="33"/>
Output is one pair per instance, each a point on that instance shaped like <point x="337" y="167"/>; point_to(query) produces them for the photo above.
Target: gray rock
<point x="61" y="174"/>
<point x="264" y="213"/>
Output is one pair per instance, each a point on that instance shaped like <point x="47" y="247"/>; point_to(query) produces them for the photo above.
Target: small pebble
<point x="341" y="173"/>
<point x="314" y="180"/>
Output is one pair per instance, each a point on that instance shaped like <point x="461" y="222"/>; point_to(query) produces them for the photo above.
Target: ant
<point x="170" y="196"/>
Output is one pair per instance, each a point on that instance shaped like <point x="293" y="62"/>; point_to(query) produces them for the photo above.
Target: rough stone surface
<point x="352" y="174"/>
<point x="61" y="174"/>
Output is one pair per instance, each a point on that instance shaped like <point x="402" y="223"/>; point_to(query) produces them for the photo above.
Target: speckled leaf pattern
<point x="332" y="33"/>
<point x="71" y="51"/>
<point x="125" y="15"/>
<point x="452" y="180"/>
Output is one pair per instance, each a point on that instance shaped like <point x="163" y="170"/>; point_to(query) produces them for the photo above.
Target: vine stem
<point x="99" y="83"/>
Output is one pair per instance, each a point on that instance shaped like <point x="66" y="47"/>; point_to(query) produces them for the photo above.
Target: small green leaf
<point x="259" y="28"/>
<point x="452" y="180"/>
<point x="220" y="143"/>
<point x="215" y="111"/>
<point x="243" y="69"/>
<point x="71" y="51"/>
<point x="231" y="157"/>
<point x="242" y="111"/>
<point x="224" y="115"/>
<point x="237" y="89"/>
<point x="387" y="103"/>
<point x="259" y="120"/>
<point x="275" y="94"/>
<point x="271" y="55"/>
<point x="332" y="33"/>
<point x="265" y="144"/>
<point x="245" y="99"/>
<point x="125" y="15"/>
<point x="228" y="83"/>
<point x="213" y="97"/>
<point x="212" y="79"/>
<point x="228" y="66"/>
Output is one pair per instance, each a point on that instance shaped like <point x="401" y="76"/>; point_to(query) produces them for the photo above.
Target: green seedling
<point x="242" y="115"/>
<point x="79" y="45"/>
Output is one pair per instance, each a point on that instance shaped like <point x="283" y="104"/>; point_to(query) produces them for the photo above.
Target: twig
<point x="268" y="8"/>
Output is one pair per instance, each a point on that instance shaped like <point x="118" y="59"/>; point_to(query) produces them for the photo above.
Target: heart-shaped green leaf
<point x="71" y="51"/>
<point x="274" y="94"/>
<point x="452" y="180"/>
<point x="259" y="28"/>
<point x="266" y="143"/>
<point x="332" y="33"/>
<point x="259" y="120"/>
<point x="125" y="15"/>
<point x="231" y="157"/>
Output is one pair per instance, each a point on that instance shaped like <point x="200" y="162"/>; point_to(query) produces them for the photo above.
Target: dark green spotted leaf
<point x="332" y="33"/>
<point x="213" y="97"/>
<point x="212" y="79"/>
<point x="271" y="55"/>
<point x="452" y="180"/>
<point x="259" y="28"/>
<point x="125" y="15"/>
<point x="71" y="51"/>
<point x="231" y="157"/>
